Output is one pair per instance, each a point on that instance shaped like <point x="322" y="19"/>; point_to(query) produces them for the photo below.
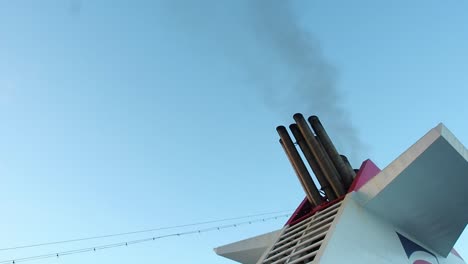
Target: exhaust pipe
<point x="348" y="164"/>
<point x="313" y="163"/>
<point x="320" y="155"/>
<point x="302" y="173"/>
<point x="346" y="172"/>
<point x="323" y="150"/>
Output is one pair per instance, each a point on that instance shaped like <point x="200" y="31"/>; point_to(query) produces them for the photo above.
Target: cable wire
<point x="138" y="241"/>
<point x="137" y="232"/>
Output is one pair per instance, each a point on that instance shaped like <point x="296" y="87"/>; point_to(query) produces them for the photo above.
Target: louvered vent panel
<point x="301" y="242"/>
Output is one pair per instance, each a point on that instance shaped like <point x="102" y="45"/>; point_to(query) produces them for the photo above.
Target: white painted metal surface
<point x="423" y="192"/>
<point x="248" y="251"/>
<point x="359" y="236"/>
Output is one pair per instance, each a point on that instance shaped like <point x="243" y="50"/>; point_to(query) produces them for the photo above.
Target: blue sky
<point x="125" y="115"/>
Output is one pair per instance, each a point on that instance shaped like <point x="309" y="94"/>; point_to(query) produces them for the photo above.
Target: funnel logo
<point x="417" y="254"/>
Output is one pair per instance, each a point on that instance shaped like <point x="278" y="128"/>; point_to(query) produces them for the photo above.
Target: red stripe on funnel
<point x="367" y="171"/>
<point x="303" y="209"/>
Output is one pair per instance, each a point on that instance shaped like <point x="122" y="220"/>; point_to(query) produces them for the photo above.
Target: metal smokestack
<point x="346" y="173"/>
<point x="312" y="162"/>
<point x="302" y="173"/>
<point x="326" y="165"/>
<point x="296" y="170"/>
<point x="348" y="164"/>
<point x="323" y="150"/>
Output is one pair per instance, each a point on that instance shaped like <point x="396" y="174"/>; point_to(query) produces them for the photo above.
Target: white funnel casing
<point x="413" y="211"/>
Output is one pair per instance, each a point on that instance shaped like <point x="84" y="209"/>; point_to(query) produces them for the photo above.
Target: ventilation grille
<point x="300" y="243"/>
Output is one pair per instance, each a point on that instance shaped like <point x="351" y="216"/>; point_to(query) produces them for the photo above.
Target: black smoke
<point x="283" y="60"/>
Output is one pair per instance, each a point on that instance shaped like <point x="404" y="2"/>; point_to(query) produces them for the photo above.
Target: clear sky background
<point x="125" y="115"/>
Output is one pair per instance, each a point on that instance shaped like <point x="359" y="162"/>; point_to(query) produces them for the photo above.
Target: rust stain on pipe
<point x="302" y="173"/>
<point x="326" y="165"/>
<point x="346" y="173"/>
<point x="312" y="162"/>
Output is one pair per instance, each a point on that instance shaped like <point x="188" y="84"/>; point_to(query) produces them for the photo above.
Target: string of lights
<point x="138" y="241"/>
<point x="138" y="231"/>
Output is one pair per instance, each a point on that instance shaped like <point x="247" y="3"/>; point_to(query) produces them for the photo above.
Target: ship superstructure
<point x="412" y="211"/>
